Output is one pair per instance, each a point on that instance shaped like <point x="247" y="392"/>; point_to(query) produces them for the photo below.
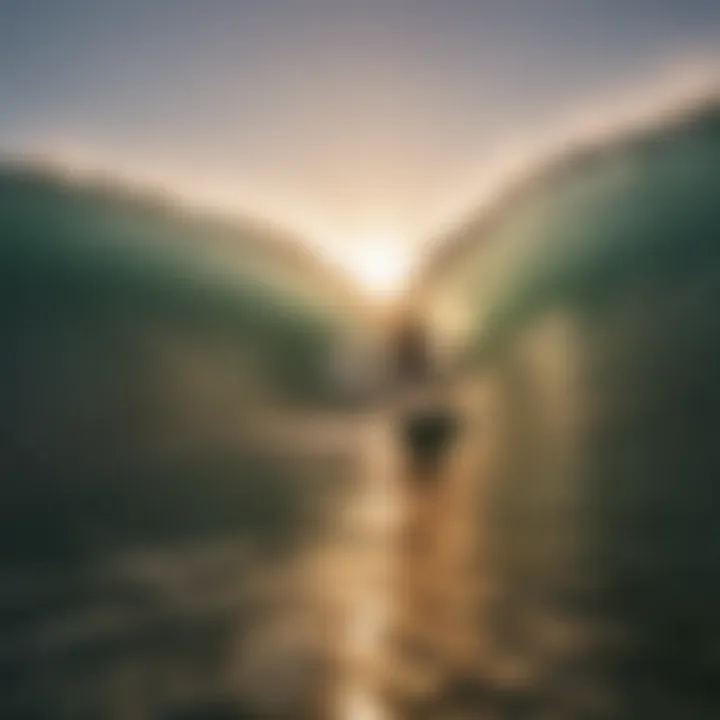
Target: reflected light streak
<point x="361" y="705"/>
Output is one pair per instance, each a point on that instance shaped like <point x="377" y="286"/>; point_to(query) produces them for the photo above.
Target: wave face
<point x="152" y="525"/>
<point x="632" y="195"/>
<point x="589" y="302"/>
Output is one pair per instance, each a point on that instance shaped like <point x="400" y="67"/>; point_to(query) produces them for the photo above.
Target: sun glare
<point x="381" y="265"/>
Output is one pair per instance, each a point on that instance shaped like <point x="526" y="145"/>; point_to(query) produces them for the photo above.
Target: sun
<point x="381" y="264"/>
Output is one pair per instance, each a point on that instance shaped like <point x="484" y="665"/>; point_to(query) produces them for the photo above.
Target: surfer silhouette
<point x="427" y="424"/>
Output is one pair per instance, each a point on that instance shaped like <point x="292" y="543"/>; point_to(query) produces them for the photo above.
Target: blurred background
<point x="214" y="218"/>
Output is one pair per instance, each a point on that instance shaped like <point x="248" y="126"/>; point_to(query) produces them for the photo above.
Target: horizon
<point x="380" y="265"/>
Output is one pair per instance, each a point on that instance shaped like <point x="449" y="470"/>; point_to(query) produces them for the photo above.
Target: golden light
<point x="362" y="706"/>
<point x="381" y="264"/>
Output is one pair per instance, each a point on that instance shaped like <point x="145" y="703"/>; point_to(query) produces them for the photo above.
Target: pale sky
<point x="345" y="118"/>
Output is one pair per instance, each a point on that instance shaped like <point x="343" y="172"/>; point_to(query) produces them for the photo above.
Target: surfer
<point x="427" y="424"/>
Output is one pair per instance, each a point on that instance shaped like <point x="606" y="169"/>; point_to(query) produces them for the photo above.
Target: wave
<point x="525" y="167"/>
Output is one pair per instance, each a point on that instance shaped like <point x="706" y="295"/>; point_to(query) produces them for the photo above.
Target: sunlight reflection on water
<point x="373" y="518"/>
<point x="362" y="705"/>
